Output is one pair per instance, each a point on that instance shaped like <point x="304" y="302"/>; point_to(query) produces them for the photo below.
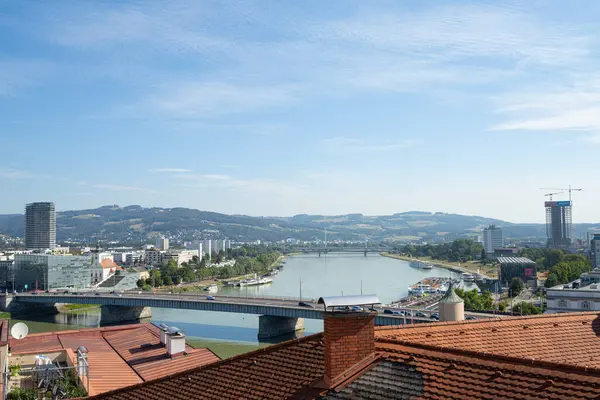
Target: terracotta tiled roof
<point x="108" y="263"/>
<point x="143" y="351"/>
<point x="468" y="360"/>
<point x="107" y="371"/>
<point x="118" y="356"/>
<point x="276" y="372"/>
<point x="560" y="338"/>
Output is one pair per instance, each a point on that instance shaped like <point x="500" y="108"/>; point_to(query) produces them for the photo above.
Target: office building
<point x="492" y="239"/>
<point x="595" y="250"/>
<point x="40" y="226"/>
<point x="162" y="243"/>
<point x="517" y="267"/>
<point x="216" y="245"/>
<point x="51" y="271"/>
<point x="558" y="223"/>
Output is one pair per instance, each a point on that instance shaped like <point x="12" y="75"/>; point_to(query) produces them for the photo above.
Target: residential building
<point x="49" y="271"/>
<point x="134" y="257"/>
<point x="162" y="243"/>
<point x="117" y="356"/>
<point x="198" y="246"/>
<point x="216" y="245"/>
<point x="228" y="244"/>
<point x="153" y="257"/>
<point x="517" y="267"/>
<point x="558" y="223"/>
<point x="492" y="239"/>
<point x="102" y="270"/>
<point x="180" y="256"/>
<point x="545" y="356"/>
<point x="207" y="247"/>
<point x="595" y="250"/>
<point x="40" y="226"/>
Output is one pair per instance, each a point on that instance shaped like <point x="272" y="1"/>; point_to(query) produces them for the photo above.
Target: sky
<point x="280" y="108"/>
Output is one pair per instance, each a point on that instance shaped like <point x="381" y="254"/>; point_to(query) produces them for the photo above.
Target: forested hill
<point x="136" y="223"/>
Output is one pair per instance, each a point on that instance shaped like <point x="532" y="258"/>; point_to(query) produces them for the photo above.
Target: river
<point x="309" y="275"/>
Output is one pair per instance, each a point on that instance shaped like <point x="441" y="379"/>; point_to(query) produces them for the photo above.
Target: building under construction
<point x="558" y="223"/>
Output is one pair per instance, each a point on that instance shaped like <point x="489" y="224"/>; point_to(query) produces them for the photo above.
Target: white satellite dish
<point x="19" y="330"/>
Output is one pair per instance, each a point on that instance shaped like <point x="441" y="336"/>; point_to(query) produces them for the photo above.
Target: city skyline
<point x="285" y="109"/>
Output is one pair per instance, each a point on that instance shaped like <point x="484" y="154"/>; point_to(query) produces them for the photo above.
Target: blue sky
<point x="279" y="108"/>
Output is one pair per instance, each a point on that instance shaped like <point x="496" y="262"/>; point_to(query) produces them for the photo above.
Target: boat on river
<point x="256" y="281"/>
<point x="211" y="288"/>
<point x="420" y="264"/>
<point x="468" y="277"/>
<point x="429" y="286"/>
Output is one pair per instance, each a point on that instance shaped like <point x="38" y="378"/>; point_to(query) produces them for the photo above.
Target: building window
<point x="562" y="304"/>
<point x="585" y="305"/>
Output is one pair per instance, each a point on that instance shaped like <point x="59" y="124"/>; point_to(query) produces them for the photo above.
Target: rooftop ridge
<point x="485" y="320"/>
<point x="85" y="330"/>
<point x="250" y="354"/>
<point x="494" y="356"/>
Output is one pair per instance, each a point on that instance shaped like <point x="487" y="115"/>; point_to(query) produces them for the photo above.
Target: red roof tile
<point x="117" y="356"/>
<point x="497" y="359"/>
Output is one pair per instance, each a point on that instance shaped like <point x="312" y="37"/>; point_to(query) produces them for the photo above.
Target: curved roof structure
<point x="451" y="296"/>
<point x="343" y="301"/>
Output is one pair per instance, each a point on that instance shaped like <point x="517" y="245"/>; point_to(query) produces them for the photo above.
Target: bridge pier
<point x="114" y="314"/>
<point x="270" y="326"/>
<point x="10" y="303"/>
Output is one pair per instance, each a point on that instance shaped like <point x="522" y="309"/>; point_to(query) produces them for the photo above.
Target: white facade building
<point x="492" y="239"/>
<point x="207" y="247"/>
<point x="198" y="246"/>
<point x="162" y="243"/>
<point x="580" y="295"/>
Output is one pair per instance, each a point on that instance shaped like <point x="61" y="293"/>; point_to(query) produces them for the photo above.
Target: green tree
<point x="526" y="308"/>
<point x="168" y="280"/>
<point x="552" y="280"/>
<point x="502" y="306"/>
<point x="140" y="283"/>
<point x="515" y="287"/>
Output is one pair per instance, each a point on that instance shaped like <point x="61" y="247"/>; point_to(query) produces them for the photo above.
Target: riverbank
<point x="488" y="271"/>
<point x="224" y="349"/>
<point x="73" y="308"/>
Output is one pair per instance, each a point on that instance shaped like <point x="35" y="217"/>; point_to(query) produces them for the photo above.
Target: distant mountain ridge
<point x="136" y="223"/>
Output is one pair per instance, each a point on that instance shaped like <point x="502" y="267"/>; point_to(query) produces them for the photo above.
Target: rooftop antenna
<point x="19" y="331"/>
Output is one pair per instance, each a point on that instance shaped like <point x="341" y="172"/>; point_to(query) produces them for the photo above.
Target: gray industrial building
<point x="40" y="226"/>
<point x="517" y="267"/>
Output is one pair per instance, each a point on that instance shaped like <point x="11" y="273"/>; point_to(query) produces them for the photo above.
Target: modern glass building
<point x="50" y="272"/>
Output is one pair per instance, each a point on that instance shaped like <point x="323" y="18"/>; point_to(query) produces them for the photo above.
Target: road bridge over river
<point x="277" y="315"/>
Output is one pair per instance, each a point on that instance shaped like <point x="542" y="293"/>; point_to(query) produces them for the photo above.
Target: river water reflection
<point x="311" y="275"/>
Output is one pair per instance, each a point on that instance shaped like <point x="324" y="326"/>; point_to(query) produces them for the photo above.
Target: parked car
<point x="35" y="292"/>
<point x="387" y="311"/>
<point x="98" y="293"/>
<point x="305" y="304"/>
<point x="210" y="297"/>
<point x="372" y="309"/>
<point x="470" y="318"/>
<point x="356" y="308"/>
<point x="118" y="294"/>
<point x="420" y="314"/>
<point x="435" y="316"/>
<point x="66" y="292"/>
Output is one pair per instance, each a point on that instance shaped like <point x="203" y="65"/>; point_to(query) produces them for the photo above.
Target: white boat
<point x="255" y="281"/>
<point x="468" y="277"/>
<point x="420" y="264"/>
<point x="211" y="288"/>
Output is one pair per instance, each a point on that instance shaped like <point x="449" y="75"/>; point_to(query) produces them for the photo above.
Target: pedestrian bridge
<point x="278" y="315"/>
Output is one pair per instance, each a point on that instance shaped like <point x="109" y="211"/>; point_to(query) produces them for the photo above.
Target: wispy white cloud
<point x="11" y="173"/>
<point x="346" y="144"/>
<point x="170" y="170"/>
<point x="207" y="99"/>
<point x="122" y="188"/>
<point x="572" y="106"/>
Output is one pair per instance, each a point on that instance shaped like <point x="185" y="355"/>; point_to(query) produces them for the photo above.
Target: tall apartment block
<point x="492" y="239"/>
<point x="40" y="226"/>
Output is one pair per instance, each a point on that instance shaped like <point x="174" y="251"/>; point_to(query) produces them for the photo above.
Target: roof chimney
<point x="349" y="336"/>
<point x="163" y="333"/>
<point x="175" y="342"/>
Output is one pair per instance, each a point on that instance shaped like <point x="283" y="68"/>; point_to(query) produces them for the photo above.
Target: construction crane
<point x="552" y="194"/>
<point x="569" y="189"/>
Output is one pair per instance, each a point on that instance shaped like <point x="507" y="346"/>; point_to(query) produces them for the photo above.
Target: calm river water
<point x="330" y="275"/>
